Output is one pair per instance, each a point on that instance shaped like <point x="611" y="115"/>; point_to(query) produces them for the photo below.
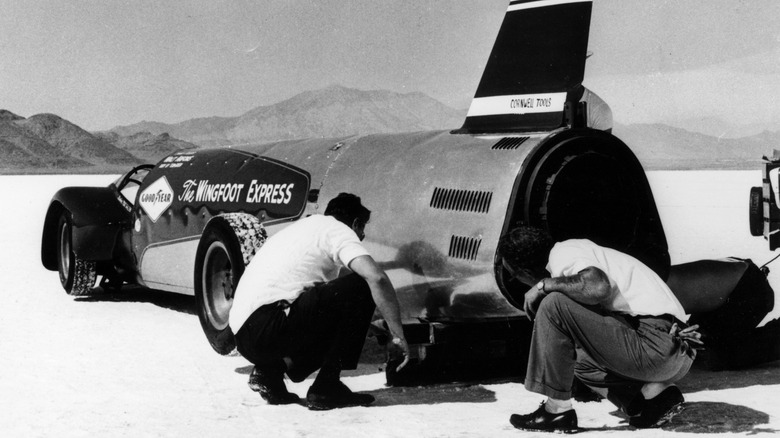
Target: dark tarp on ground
<point x="730" y="332"/>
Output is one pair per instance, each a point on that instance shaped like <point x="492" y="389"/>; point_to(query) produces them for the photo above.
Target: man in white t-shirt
<point x="604" y="317"/>
<point x="297" y="309"/>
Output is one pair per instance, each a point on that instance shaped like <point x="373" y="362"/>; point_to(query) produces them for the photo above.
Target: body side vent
<point x="461" y="200"/>
<point x="509" y="143"/>
<point x="462" y="247"/>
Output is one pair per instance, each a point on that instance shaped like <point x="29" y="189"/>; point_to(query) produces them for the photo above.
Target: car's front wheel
<point x="77" y="276"/>
<point x="226" y="246"/>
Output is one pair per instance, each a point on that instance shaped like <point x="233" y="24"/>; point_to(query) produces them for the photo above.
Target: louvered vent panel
<point x="461" y="200"/>
<point x="462" y="247"/>
<point x="510" y="143"/>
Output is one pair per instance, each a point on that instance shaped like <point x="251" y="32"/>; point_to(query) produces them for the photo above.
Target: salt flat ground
<point x="136" y="364"/>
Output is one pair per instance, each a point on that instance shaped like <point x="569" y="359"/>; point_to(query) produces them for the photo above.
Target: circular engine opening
<point x="588" y="185"/>
<point x="592" y="196"/>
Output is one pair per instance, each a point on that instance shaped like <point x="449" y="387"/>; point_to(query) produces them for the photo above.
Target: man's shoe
<point x="635" y="407"/>
<point x="658" y="410"/>
<point x="322" y="397"/>
<point x="543" y="421"/>
<point x="271" y="387"/>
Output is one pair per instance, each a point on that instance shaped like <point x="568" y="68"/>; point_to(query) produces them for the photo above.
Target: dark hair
<point x="526" y="248"/>
<point x="346" y="207"/>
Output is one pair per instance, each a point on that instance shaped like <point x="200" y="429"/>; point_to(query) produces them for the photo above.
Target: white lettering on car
<point x="204" y="191"/>
<point x="269" y="193"/>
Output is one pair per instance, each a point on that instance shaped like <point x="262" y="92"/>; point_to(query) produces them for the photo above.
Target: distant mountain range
<point x="661" y="146"/>
<point x="46" y="143"/>
<point x="330" y="112"/>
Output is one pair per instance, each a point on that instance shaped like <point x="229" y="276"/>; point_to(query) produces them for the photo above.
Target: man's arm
<point x="385" y="298"/>
<point x="589" y="286"/>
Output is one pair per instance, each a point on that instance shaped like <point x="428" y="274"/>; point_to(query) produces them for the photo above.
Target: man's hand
<point x="532" y="300"/>
<point x="403" y="346"/>
<point x="688" y="334"/>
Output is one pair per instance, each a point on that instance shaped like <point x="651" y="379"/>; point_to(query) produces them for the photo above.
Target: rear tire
<point x="228" y="243"/>
<point x="77" y="276"/>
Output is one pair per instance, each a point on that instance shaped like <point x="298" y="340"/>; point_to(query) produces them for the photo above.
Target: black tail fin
<point x="538" y="57"/>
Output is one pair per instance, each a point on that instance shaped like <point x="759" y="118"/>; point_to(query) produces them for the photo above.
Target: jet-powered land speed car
<point x="440" y="199"/>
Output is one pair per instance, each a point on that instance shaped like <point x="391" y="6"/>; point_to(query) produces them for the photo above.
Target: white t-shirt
<point x="639" y="290"/>
<point x="309" y="251"/>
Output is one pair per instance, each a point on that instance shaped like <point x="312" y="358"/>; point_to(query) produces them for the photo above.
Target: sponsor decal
<point x="517" y="104"/>
<point x="194" y="190"/>
<point x="124" y="203"/>
<point x="175" y="161"/>
<point x="156" y="198"/>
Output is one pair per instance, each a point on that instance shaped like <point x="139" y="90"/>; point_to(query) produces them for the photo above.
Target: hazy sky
<point x="102" y="63"/>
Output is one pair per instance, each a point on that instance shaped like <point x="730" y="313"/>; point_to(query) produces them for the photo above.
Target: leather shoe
<point x="658" y="410"/>
<point x="271" y="387"/>
<point x="543" y="421"/>
<point x="322" y="397"/>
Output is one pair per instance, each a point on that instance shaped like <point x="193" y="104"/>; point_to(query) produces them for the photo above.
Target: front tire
<point x="228" y="243"/>
<point x="77" y="276"/>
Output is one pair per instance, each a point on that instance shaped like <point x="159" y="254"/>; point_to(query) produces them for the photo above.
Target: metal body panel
<point x="410" y="235"/>
<point x="397" y="176"/>
<point x="169" y="266"/>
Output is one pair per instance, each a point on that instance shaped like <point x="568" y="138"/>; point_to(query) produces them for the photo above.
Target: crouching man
<point x="292" y="313"/>
<point x="603" y="317"/>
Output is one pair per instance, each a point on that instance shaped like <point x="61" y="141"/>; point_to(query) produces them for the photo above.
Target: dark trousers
<point x="613" y="354"/>
<point x="324" y="328"/>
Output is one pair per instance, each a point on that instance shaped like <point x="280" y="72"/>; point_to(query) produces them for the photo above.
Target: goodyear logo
<point x="156" y="198"/>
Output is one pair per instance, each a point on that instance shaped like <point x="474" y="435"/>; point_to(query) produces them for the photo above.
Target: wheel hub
<point x="218" y="285"/>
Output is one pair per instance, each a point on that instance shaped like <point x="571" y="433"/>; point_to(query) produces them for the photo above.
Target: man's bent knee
<point x="553" y="302"/>
<point x="556" y="305"/>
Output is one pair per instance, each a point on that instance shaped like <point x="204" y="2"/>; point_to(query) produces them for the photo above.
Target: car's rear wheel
<point x="77" y="276"/>
<point x="228" y="243"/>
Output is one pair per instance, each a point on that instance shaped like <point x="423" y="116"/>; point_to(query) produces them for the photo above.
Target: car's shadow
<point x="137" y="294"/>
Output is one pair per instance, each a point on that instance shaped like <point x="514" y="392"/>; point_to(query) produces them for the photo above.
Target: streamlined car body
<point x="440" y="199"/>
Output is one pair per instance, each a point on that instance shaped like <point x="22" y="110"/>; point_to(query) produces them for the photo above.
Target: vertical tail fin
<point x="538" y="57"/>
